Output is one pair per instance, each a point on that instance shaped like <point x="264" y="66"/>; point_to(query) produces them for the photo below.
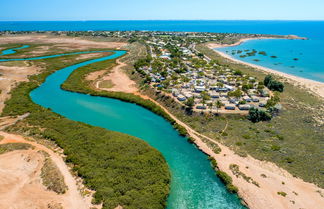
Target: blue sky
<point x="161" y="10"/>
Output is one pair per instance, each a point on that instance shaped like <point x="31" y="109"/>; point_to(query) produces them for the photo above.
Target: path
<point x="264" y="196"/>
<point x="72" y="199"/>
<point x="121" y="82"/>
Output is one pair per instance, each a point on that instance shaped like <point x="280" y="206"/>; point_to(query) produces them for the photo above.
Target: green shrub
<point x="257" y="115"/>
<point x="284" y="194"/>
<point x="246" y="136"/>
<point x="213" y="162"/>
<point x="14" y="146"/>
<point x="275" y="147"/>
<point x="123" y="170"/>
<point x="272" y="84"/>
<point x="231" y="188"/>
<point x="227" y="180"/>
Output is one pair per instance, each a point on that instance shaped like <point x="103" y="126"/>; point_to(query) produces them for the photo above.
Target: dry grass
<point x="13" y="146"/>
<point x="293" y="139"/>
<point x="236" y="171"/>
<point x="106" y="84"/>
<point x="52" y="178"/>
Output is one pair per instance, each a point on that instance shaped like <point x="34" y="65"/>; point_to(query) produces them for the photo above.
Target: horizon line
<point x="164" y="20"/>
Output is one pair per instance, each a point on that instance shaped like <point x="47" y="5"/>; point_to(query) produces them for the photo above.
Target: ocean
<point x="303" y="58"/>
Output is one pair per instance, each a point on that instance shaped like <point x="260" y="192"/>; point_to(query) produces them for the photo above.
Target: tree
<point x="237" y="93"/>
<point x="273" y="84"/>
<point x="257" y="115"/>
<point x="275" y="99"/>
<point x="219" y="84"/>
<point x="276" y="86"/>
<point x="218" y="104"/>
<point x="246" y="87"/>
<point x="190" y="102"/>
<point x="210" y="105"/>
<point x="147" y="79"/>
<point x="205" y="96"/>
<point x="238" y="72"/>
<point x="201" y="73"/>
<point x="201" y="55"/>
<point x="164" y="73"/>
<point x="267" y="80"/>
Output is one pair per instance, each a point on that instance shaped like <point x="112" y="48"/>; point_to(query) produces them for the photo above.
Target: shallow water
<point x="310" y="53"/>
<point x="13" y="50"/>
<point x="303" y="58"/>
<point x="194" y="184"/>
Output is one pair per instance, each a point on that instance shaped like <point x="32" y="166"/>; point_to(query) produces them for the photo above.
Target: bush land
<point x="123" y="170"/>
<point x="295" y="130"/>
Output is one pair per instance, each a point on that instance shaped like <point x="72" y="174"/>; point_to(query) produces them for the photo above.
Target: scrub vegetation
<point x="123" y="170"/>
<point x="52" y="178"/>
<point x="227" y="180"/>
<point x="299" y="151"/>
<point x="224" y="177"/>
<point x="77" y="83"/>
<point x="14" y="146"/>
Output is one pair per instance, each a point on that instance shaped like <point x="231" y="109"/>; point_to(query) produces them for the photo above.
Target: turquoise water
<point x="309" y="55"/>
<point x="13" y="50"/>
<point x="50" y="56"/>
<point x="194" y="184"/>
<point x="310" y="65"/>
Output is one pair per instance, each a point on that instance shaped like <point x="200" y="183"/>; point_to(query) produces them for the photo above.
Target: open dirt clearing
<point x="21" y="185"/>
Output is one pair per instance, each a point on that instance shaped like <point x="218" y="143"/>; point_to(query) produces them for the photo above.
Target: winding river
<point x="194" y="184"/>
<point x="12" y="50"/>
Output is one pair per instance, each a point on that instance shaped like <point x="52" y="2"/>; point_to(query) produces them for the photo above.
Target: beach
<point x="315" y="87"/>
<point x="271" y="181"/>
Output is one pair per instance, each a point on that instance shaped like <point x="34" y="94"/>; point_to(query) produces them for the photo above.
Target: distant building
<point x="175" y="92"/>
<point x="200" y="88"/>
<point x="201" y="107"/>
<point x="181" y="98"/>
<point x="255" y="99"/>
<point x="230" y="107"/>
<point x="244" y="107"/>
<point x="165" y="57"/>
<point x="247" y="99"/>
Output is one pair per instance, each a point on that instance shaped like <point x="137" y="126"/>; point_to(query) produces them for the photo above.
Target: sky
<point x="37" y="10"/>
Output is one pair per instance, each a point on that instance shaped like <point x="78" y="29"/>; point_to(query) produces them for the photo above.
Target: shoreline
<point x="265" y="196"/>
<point x="254" y="197"/>
<point x="242" y="40"/>
<point x="314" y="87"/>
<point x="261" y="197"/>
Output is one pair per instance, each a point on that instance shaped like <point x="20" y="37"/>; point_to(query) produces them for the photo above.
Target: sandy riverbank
<point x="20" y="171"/>
<point x="269" y="176"/>
<point x="299" y="193"/>
<point x="314" y="87"/>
